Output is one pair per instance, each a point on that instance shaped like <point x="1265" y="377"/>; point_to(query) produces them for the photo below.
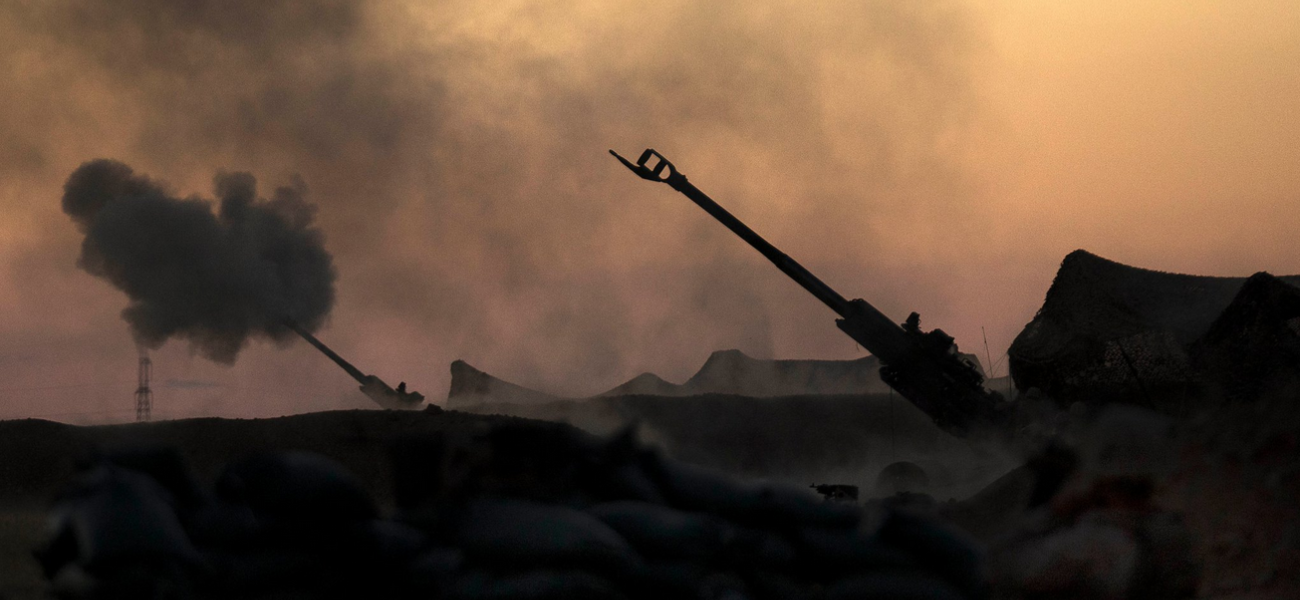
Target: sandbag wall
<point x="516" y="511"/>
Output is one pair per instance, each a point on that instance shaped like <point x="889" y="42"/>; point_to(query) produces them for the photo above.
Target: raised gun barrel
<point x="373" y="387"/>
<point x="923" y="367"/>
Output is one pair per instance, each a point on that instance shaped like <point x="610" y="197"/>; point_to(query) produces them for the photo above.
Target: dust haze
<point x="457" y="156"/>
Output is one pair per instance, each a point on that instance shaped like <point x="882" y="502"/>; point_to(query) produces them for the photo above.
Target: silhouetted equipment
<point x="924" y="367"/>
<point x="373" y="387"/>
<point x="1110" y="332"/>
<point x="143" y="395"/>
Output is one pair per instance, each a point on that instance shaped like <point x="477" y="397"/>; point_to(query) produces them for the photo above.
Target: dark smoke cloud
<point x="213" y="279"/>
<point x="937" y="156"/>
<point x="457" y="151"/>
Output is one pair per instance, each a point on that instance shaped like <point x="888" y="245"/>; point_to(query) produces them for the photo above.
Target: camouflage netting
<point x="1254" y="345"/>
<point x="1108" y="331"/>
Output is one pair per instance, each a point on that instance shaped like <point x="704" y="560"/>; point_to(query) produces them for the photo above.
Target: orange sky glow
<point x="939" y="156"/>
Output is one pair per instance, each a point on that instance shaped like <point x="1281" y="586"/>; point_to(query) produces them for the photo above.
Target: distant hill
<point x="471" y="387"/>
<point x="734" y="372"/>
<point x="729" y="372"/>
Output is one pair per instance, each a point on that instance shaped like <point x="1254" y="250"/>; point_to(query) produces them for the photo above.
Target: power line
<point x="65" y="387"/>
<point x="80" y="413"/>
<point x="67" y="414"/>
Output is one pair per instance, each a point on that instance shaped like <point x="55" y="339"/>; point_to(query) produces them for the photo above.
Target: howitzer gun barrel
<point x="373" y="387"/>
<point x="664" y="172"/>
<point x="311" y="339"/>
<point x="882" y="337"/>
<point x="924" y="367"/>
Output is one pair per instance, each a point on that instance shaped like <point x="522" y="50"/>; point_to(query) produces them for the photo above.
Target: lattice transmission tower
<point x="143" y="395"/>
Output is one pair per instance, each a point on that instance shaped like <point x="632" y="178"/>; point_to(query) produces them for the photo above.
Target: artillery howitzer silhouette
<point x="372" y="386"/>
<point x="923" y="367"/>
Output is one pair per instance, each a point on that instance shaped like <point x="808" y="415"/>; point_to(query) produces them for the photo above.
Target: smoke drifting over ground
<point x="212" y="279"/>
<point x="458" y="155"/>
<point x="457" y="152"/>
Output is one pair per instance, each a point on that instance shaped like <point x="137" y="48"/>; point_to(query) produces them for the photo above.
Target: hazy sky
<point x="932" y="156"/>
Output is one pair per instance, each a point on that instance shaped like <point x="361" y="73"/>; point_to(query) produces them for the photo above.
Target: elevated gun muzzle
<point x="664" y="172"/>
<point x="654" y="173"/>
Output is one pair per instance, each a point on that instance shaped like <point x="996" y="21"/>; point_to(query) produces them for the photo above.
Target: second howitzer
<point x="923" y="367"/>
<point x="373" y="387"/>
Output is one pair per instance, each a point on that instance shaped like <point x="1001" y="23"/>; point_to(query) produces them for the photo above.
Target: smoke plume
<point x="213" y="279"/>
<point x="457" y="152"/>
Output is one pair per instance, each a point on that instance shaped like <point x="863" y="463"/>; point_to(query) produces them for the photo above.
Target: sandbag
<point x="541" y="584"/>
<point x="938" y="547"/>
<point x="300" y="488"/>
<point x="894" y="586"/>
<point x="114" y="516"/>
<point x="838" y="551"/>
<point x="700" y="489"/>
<point x="520" y="532"/>
<point x="661" y="531"/>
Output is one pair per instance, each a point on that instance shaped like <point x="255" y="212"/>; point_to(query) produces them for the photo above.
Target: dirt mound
<point x="472" y="387"/>
<point x="733" y="372"/>
<point x="725" y="372"/>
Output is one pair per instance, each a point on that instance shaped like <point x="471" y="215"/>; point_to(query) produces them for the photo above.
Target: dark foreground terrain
<point x="1227" y="479"/>
<point x="443" y="505"/>
<point x="39" y="458"/>
<point x="844" y="438"/>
